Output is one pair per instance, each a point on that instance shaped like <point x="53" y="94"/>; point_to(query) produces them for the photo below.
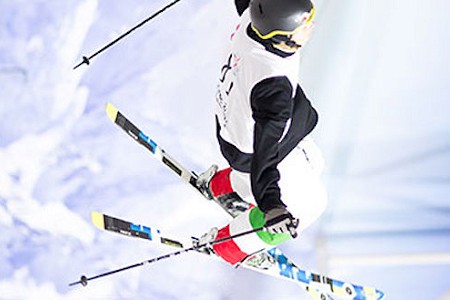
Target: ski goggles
<point x="307" y="19"/>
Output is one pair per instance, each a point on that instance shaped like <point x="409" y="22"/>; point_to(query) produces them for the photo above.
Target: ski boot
<point x="204" y="180"/>
<point x="203" y="244"/>
<point x="216" y="185"/>
<point x="260" y="260"/>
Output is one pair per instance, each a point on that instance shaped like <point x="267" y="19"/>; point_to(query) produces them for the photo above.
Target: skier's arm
<point x="272" y="107"/>
<point x="304" y="119"/>
<point x="241" y="5"/>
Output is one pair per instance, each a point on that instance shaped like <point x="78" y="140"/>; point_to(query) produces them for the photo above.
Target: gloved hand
<point x="280" y="220"/>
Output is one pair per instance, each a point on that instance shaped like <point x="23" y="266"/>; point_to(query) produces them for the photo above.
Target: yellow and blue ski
<point x="317" y="285"/>
<point x="232" y="206"/>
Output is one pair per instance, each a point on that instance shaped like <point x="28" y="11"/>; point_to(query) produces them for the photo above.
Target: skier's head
<point x="284" y="22"/>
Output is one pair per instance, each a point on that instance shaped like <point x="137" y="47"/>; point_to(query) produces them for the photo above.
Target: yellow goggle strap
<point x="271" y="34"/>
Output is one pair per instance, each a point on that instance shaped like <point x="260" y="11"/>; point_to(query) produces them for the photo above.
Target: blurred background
<point x="377" y="72"/>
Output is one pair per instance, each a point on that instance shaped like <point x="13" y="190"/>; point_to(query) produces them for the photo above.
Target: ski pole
<point x="84" y="280"/>
<point x="86" y="60"/>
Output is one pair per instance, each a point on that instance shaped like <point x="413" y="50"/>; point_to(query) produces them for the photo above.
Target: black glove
<point x="280" y="220"/>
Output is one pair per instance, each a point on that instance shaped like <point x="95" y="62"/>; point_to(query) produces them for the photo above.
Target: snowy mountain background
<point x="378" y="73"/>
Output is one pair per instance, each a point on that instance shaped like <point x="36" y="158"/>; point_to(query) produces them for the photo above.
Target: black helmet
<point x="279" y="17"/>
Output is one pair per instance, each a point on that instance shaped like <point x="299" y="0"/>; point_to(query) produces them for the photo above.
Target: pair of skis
<point x="318" y="286"/>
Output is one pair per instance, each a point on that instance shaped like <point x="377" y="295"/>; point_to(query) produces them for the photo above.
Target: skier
<point x="263" y="119"/>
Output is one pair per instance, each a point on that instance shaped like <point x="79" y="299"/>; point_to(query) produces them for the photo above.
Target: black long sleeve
<point x="272" y="106"/>
<point x="241" y="5"/>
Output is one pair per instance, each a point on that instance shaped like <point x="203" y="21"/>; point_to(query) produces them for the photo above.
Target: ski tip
<point x="112" y="111"/>
<point x="98" y="220"/>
